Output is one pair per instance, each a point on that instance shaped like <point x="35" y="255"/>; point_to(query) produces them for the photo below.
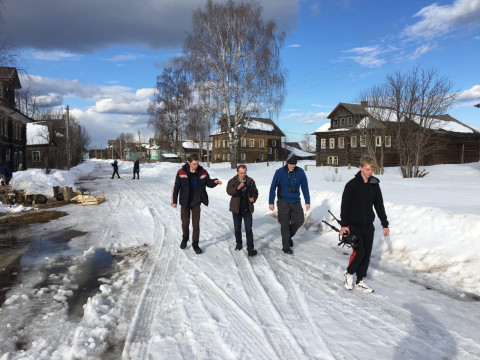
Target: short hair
<point x="193" y="157"/>
<point x="241" y="166"/>
<point x="367" y="160"/>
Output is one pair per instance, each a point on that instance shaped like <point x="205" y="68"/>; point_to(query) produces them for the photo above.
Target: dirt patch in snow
<point x="32" y="217"/>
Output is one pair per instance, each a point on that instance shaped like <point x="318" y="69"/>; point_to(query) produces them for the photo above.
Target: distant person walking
<point x="136" y="169"/>
<point x="360" y="195"/>
<point x="190" y="186"/>
<point x="289" y="179"/>
<point x="115" y="169"/>
<point x="6" y="174"/>
<point x="244" y="193"/>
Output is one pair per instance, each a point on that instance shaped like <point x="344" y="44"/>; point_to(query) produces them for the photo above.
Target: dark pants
<point x="7" y="180"/>
<point x="247" y="221"/>
<point x="136" y="172"/>
<point x="291" y="218"/>
<point x="360" y="258"/>
<point x="185" y="216"/>
<point x="115" y="172"/>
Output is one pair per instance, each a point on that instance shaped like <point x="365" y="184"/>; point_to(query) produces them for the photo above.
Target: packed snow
<point x="161" y="302"/>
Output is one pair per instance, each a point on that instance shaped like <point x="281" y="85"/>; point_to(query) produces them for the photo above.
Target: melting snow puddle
<point x="49" y="263"/>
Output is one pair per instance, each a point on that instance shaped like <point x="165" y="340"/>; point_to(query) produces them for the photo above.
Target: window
<point x="260" y="157"/>
<point x="378" y="141"/>
<point x="242" y="157"/>
<point x="269" y="150"/>
<point x="331" y="143"/>
<point x="363" y="141"/>
<point x="36" y="156"/>
<point x="353" y="141"/>
<point x="388" y="141"/>
<point x="274" y="143"/>
<point x="244" y="142"/>
<point x="252" y="142"/>
<point x="261" y="143"/>
<point x="335" y="123"/>
<point x="323" y="143"/>
<point x="223" y="157"/>
<point x="224" y="143"/>
<point x="342" y="121"/>
<point x="228" y="157"/>
<point x="350" y="120"/>
<point x="341" y="142"/>
<point x="333" y="160"/>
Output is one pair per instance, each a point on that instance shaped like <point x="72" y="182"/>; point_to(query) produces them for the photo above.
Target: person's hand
<point x="271" y="207"/>
<point x="240" y="186"/>
<point x="174" y="205"/>
<point x="386" y="232"/>
<point x="251" y="199"/>
<point x="342" y="230"/>
<point x="307" y="206"/>
<point x="218" y="182"/>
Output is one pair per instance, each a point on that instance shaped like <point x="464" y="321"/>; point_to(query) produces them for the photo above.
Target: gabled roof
<point x="15" y="114"/>
<point x="253" y="126"/>
<point x="354" y="109"/>
<point x="293" y="144"/>
<point x="9" y="75"/>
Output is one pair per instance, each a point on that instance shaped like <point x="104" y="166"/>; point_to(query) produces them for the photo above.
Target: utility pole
<point x="207" y="131"/>
<point x="68" y="137"/>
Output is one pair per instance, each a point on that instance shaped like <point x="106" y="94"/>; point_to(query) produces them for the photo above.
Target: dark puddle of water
<point x="22" y="255"/>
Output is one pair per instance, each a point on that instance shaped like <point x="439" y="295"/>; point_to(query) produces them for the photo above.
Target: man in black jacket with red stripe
<point x="361" y="194"/>
<point x="190" y="184"/>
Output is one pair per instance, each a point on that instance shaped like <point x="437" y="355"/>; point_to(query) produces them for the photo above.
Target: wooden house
<point x="260" y="140"/>
<point x="343" y="140"/>
<point x="13" y="124"/>
<point x="38" y="146"/>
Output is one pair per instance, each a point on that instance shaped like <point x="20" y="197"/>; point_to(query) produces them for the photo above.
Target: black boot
<point x="196" y="248"/>
<point x="287" y="251"/>
<point x="239" y="246"/>
<point x="183" y="244"/>
<point x="252" y="252"/>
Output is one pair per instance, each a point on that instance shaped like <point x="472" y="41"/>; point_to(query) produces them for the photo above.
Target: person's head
<point x="241" y="171"/>
<point x="193" y="162"/>
<point x="291" y="161"/>
<point x="367" y="166"/>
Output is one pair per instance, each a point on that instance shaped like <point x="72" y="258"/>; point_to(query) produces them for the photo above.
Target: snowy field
<point x="162" y="302"/>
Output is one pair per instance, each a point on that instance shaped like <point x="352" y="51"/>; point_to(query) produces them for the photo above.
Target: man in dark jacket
<point x="244" y="193"/>
<point x="6" y="174"/>
<point x="361" y="194"/>
<point x="136" y="169"/>
<point x="115" y="169"/>
<point x="190" y="186"/>
<point x="289" y="179"/>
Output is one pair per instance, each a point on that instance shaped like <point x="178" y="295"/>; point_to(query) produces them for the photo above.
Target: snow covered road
<point x="168" y="303"/>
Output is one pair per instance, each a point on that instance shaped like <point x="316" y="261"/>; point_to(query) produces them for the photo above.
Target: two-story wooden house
<point x="13" y="124"/>
<point x="259" y="140"/>
<point x="344" y="139"/>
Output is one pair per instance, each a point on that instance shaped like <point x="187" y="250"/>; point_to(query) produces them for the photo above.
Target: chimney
<point x="364" y="103"/>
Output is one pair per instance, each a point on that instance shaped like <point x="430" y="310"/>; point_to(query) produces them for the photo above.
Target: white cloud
<point x="294" y="46"/>
<point x="367" y="56"/>
<point x="56" y="55"/>
<point x="435" y="19"/>
<point x="470" y="94"/>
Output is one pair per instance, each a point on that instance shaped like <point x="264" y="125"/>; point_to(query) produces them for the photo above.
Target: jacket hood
<point x="372" y="180"/>
<point x="186" y="168"/>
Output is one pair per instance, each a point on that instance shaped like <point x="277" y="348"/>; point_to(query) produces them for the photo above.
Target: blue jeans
<point x="247" y="221"/>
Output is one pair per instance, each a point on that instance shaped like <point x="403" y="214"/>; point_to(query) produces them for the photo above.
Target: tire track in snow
<point x="163" y="264"/>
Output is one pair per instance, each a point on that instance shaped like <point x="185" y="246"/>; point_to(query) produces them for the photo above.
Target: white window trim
<point x="331" y="143"/>
<point x="353" y="141"/>
<point x="341" y="142"/>
<point x="378" y="141"/>
<point x="323" y="143"/>
<point x="251" y="143"/>
<point x="242" y="157"/>
<point x="244" y="142"/>
<point x="261" y="143"/>
<point x="363" y="141"/>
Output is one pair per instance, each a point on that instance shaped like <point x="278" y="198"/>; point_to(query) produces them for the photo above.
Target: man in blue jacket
<point x="289" y="179"/>
<point x="6" y="174"/>
<point x="190" y="186"/>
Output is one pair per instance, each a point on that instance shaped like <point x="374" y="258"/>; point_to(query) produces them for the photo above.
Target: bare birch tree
<point x="232" y="48"/>
<point x="306" y="143"/>
<point x="417" y="98"/>
<point x="168" y="114"/>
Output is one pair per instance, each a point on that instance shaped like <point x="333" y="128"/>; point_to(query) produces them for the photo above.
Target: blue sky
<point x="102" y="58"/>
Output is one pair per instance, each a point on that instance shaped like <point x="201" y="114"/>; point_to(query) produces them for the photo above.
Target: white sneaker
<point x="362" y="286"/>
<point x="348" y="281"/>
